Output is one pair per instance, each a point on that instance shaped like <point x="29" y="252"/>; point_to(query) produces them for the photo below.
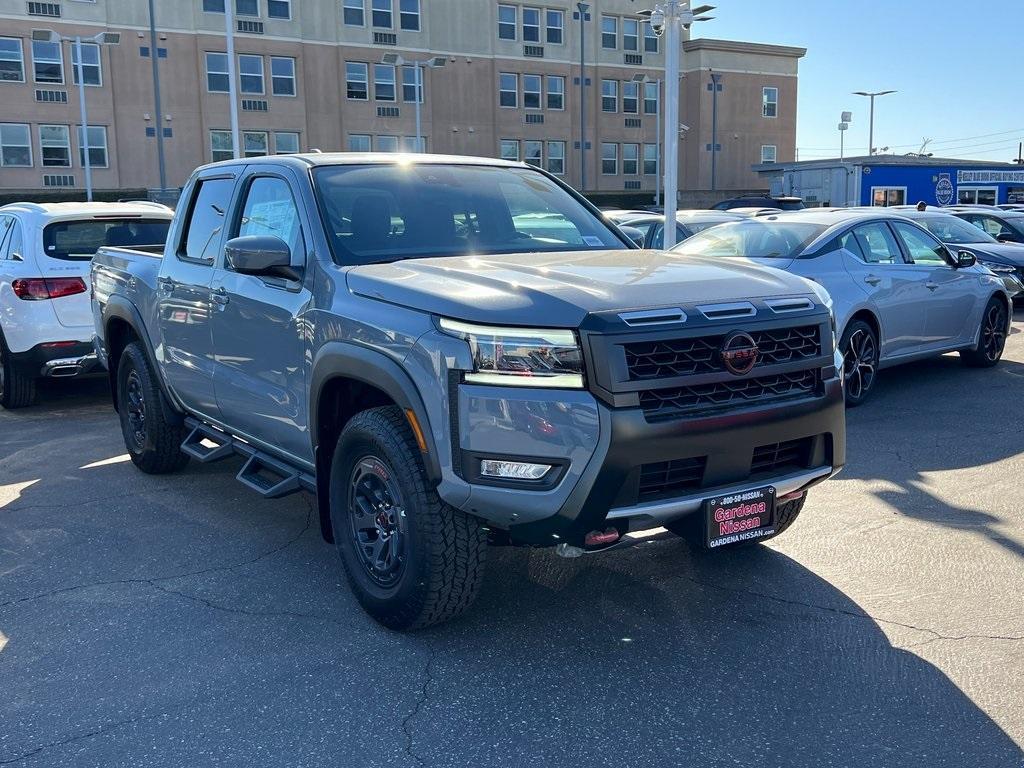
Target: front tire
<point x="991" y="337"/>
<point x="859" y="347"/>
<point x="411" y="560"/>
<point x="17" y="389"/>
<point x="153" y="442"/>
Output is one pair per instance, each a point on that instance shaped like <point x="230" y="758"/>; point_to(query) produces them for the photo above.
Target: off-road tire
<point x="156" y="449"/>
<point x="691" y="527"/>
<point x="858" y="391"/>
<point x="17" y="389"/>
<point x="444" y="549"/>
<point x="991" y="340"/>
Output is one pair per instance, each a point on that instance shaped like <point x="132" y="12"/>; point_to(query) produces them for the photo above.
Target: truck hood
<point x="560" y="289"/>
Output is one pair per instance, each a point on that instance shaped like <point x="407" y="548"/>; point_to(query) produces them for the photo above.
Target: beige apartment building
<point x="311" y="74"/>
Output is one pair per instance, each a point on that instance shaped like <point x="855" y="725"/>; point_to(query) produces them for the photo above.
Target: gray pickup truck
<point x="454" y="352"/>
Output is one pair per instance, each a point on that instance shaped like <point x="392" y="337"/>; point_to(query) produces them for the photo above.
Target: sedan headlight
<point x="520" y="357"/>
<point x="1001" y="269"/>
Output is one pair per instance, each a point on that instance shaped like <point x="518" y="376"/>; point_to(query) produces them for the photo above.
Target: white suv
<point x="46" y="323"/>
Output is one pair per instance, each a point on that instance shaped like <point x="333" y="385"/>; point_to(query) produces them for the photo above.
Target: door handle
<point x="166" y="284"/>
<point x="931" y="286"/>
<point x="220" y="297"/>
<point x="872" y="280"/>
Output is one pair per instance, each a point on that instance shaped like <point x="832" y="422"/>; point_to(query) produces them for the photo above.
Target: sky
<point x="954" y="63"/>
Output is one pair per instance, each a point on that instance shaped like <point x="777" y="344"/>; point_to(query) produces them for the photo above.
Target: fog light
<point x="513" y="470"/>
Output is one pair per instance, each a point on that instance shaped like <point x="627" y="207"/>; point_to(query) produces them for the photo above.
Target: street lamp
<point x="716" y="84"/>
<point x="844" y="125"/>
<point x="396" y="61"/>
<point x="582" y="13"/>
<point x="670" y="18"/>
<point x="103" y="38"/>
<point x="871" y="120"/>
<point x="644" y="79"/>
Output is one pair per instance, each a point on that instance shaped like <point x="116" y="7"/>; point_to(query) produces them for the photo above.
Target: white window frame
<point x="615" y="32"/>
<point x="389" y="10"/>
<point x="93" y="146"/>
<point x="775" y="153"/>
<point x="533" y="144"/>
<point x="402" y="14"/>
<point x="377" y="81"/>
<point x="614" y="96"/>
<point x="887" y="190"/>
<point x="365" y="81"/>
<point x="59" y="61"/>
<point x="409" y="144"/>
<point x="514" y="23"/>
<point x="559" y="14"/>
<point x="539" y="91"/>
<point x="266" y="143"/>
<point x="274" y="78"/>
<point x="209" y="71"/>
<point x="387" y="138"/>
<point x="766" y="102"/>
<point x="614" y="158"/>
<point x="508" y="143"/>
<point x="288" y="3"/>
<point x="230" y="155"/>
<point x="45" y="144"/>
<point x="635" y="159"/>
<point x="20" y="59"/>
<point x="248" y="15"/>
<point x="298" y="144"/>
<point x="652" y="150"/>
<point x="975" y="190"/>
<point x="628" y="85"/>
<point x="353" y="5"/>
<point x="558" y="157"/>
<point x="538" y="40"/>
<point x="635" y="36"/>
<point x="514" y="92"/>
<point x="86" y="65"/>
<point x="652" y="88"/>
<point x="408" y="69"/>
<point x="28" y="144"/>
<point x="242" y="75"/>
<point x="647" y="33"/>
<point x="560" y="92"/>
<point x="360" y="137"/>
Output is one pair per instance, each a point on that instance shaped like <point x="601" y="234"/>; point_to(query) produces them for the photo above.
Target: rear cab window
<point x="79" y="239"/>
<point x="200" y="239"/>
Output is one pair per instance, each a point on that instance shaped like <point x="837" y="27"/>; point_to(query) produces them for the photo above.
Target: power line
<point x="918" y="143"/>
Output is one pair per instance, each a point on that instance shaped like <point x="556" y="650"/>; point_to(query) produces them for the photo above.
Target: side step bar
<point x="271" y="478"/>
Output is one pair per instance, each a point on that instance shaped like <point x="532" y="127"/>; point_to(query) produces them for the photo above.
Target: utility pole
<point x="156" y="95"/>
<point x="871" y="119"/>
<point x="87" y="163"/>
<point x="229" y="30"/>
<point x="715" y="80"/>
<point x="583" y="14"/>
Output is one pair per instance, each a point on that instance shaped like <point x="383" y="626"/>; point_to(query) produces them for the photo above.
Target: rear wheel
<point x="411" y="559"/>
<point x="991" y="337"/>
<point x="17" y="389"/>
<point x="859" y="347"/>
<point x="691" y="527"/>
<point x="153" y="442"/>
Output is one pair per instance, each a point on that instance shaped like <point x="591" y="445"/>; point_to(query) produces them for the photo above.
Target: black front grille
<point x="778" y="457"/>
<point x="689" y="356"/>
<point x="659" y="404"/>
<point x="668" y="478"/>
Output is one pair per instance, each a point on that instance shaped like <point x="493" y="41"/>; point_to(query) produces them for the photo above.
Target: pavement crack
<point x="424" y="694"/>
<point x="242" y="611"/>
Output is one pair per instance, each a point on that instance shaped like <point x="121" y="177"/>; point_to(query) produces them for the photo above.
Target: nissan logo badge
<point x="739" y="353"/>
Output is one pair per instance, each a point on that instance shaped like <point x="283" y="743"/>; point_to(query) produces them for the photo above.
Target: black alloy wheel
<point x="377" y="517"/>
<point x="860" y="362"/>
<point x="135" y="405"/>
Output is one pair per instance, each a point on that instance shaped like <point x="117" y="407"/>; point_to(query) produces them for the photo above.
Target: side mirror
<point x="1006" y="237"/>
<point x="262" y="256"/>
<point x="634" y="234"/>
<point x="965" y="259"/>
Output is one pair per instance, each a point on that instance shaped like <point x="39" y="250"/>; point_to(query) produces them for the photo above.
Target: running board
<point x="271" y="478"/>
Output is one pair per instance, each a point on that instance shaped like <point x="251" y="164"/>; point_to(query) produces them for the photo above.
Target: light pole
<point x="156" y="97"/>
<point x="103" y="38"/>
<point x="397" y="61"/>
<point x="670" y="19"/>
<point x="716" y="80"/>
<point x="229" y="37"/>
<point x="871" y="119"/>
<point x="582" y="13"/>
<point x="844" y="125"/>
<point x="656" y="82"/>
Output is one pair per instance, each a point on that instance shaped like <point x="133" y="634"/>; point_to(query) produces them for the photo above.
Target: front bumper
<point x="61" y="360"/>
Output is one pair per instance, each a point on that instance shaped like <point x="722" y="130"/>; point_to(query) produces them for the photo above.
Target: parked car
<point x="45" y="321"/>
<point x="1005" y="260"/>
<point x="899" y="294"/>
<point x="755" y="211"/>
<point x="381" y="331"/>
<point x="761" y="201"/>
<point x="688" y="223"/>
<point x="1004" y="226"/>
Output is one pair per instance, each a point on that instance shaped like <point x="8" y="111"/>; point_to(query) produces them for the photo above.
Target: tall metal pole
<point x="842" y="135"/>
<point x="87" y="163"/>
<point x="672" y="64"/>
<point x="657" y="154"/>
<point x="583" y="8"/>
<point x="229" y="28"/>
<point x="156" y="95"/>
<point x="419" y="91"/>
<point x="715" y="78"/>
<point x="871" y="128"/>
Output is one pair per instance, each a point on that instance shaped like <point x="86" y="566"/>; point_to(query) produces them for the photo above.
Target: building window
<point x="357" y="81"/>
<point x="55" y="146"/>
<point x="556" y="158"/>
<point x="651" y="97"/>
<point x="384" y="82"/>
<point x="630" y="159"/>
<point x="650" y="39"/>
<point x="556" y="92"/>
<point x="12" y="60"/>
<point x="409" y="84"/>
<point x="97" y="146"/>
<point x="250" y="74"/>
<point x="358" y="142"/>
<point x="609" y="32"/>
<point x="213" y="6"/>
<point x="650" y="159"/>
<point x="531" y="91"/>
<point x="413" y="144"/>
<point x="90" y="64"/>
<point x="353" y="13"/>
<point x="508" y="90"/>
<point x="382" y="14"/>
<point x="286" y="143"/>
<point x="768" y="153"/>
<point x="247" y="8"/>
<point x="885" y="196"/>
<point x="220" y="146"/>
<point x="609" y="95"/>
<point x="631" y="35"/>
<point x="770" y="102"/>
<point x="631" y="97"/>
<point x="531" y="25"/>
<point x="217" y="80"/>
<point x="15" y="146"/>
<point x="387" y="143"/>
<point x="510" y="149"/>
<point x="279" y="9"/>
<point x="47" y="62"/>
<point x="507" y="22"/>
<point x="533" y="153"/>
<point x="282" y="75"/>
<point x="609" y="159"/>
<point x="555" y="22"/>
<point x="254" y="144"/>
<point x="409" y="15"/>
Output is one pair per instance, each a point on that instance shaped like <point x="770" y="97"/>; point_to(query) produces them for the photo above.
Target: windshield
<point x="388" y="212"/>
<point x="1014" y="221"/>
<point x="753" y="240"/>
<point x="81" y="238"/>
<point x="953" y="231"/>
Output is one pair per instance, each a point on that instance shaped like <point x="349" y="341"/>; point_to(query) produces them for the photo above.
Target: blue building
<point x="895" y="180"/>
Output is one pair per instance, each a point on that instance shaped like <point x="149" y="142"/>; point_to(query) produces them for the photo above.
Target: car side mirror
<point x="965" y="259"/>
<point x="262" y="256"/>
<point x="1006" y="237"/>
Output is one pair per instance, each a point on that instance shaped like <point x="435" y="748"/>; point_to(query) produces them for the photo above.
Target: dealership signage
<point x="990" y="177"/>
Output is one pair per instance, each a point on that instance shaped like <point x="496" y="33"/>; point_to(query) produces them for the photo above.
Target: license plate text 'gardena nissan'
<point x="740" y="517"/>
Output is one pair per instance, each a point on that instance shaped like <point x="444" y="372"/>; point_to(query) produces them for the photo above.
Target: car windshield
<point x="752" y="239"/>
<point x="80" y="239"/>
<point x="392" y="211"/>
<point x="954" y="231"/>
<point x="1014" y="221"/>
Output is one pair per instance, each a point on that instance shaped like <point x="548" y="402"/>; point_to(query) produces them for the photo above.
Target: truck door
<point x="259" y="335"/>
<point x="183" y="295"/>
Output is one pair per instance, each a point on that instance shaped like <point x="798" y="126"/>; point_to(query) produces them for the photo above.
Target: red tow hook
<point x="790" y="497"/>
<point x="601" y="538"/>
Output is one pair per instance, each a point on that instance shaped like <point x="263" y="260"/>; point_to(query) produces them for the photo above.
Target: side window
<point x="15" y="247"/>
<point x="270" y="209"/>
<point x="206" y="219"/>
<point x="877" y="244"/>
<point x="994" y="226"/>
<point x="849" y="242"/>
<point x="5" y="233"/>
<point x="923" y="249"/>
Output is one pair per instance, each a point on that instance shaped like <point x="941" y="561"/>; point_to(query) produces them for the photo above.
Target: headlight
<point x="520" y="357"/>
<point x="1003" y="269"/>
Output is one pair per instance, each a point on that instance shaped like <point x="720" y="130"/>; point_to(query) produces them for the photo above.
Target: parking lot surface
<point x="181" y="620"/>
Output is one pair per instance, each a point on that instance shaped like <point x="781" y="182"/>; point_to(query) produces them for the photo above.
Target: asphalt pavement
<point x="182" y="621"/>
